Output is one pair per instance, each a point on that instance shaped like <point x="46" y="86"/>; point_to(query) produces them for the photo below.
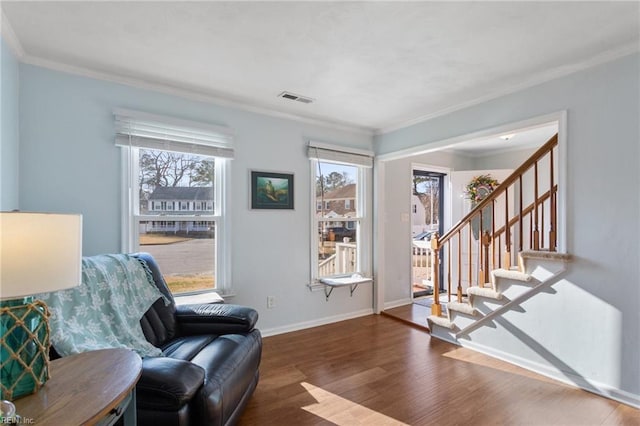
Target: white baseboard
<point x="568" y="378"/>
<point x="315" y="323"/>
<point x="396" y="303"/>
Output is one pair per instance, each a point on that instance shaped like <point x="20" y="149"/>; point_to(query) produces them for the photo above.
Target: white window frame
<point x="131" y="216"/>
<point x="325" y="153"/>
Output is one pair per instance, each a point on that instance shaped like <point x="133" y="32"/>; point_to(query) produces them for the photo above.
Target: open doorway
<point x="427" y="217"/>
<point x="499" y="148"/>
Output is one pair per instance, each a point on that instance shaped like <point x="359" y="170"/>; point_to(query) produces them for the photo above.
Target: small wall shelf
<point x="353" y="281"/>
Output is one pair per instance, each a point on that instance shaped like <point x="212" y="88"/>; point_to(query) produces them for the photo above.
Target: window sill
<point x="328" y="284"/>
<point x="319" y="285"/>
<point x="208" y="297"/>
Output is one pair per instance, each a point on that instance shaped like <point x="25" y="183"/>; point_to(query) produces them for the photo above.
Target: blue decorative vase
<point x="24" y="347"/>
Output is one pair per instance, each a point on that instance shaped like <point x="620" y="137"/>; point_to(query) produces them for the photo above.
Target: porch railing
<point x="421" y="262"/>
<point x="343" y="261"/>
<point x="521" y="213"/>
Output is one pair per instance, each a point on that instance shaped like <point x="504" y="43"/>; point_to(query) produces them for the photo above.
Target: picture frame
<point x="271" y="190"/>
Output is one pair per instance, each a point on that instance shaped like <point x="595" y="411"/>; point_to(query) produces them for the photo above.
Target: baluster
<point x="541" y="234"/>
<point x="536" y="232"/>
<point x="460" y="266"/>
<point x="499" y="244"/>
<point x="493" y="233"/>
<point x="449" y="270"/>
<point x="531" y="218"/>
<point x="520" y="224"/>
<point x="469" y="255"/>
<point x="480" y="251"/>
<point x="507" y="232"/>
<point x="436" y="309"/>
<point x="553" y="207"/>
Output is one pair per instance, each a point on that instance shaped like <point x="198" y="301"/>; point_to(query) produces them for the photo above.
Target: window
<point x="172" y="167"/>
<point x="341" y="230"/>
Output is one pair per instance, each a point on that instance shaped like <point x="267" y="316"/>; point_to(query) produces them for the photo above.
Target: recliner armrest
<point x="215" y="319"/>
<point x="166" y="384"/>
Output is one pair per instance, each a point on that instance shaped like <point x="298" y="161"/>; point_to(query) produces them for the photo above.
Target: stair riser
<point x="513" y="288"/>
<point x="485" y="305"/>
<point x="461" y="319"/>
<point x="542" y="269"/>
<point x="508" y="285"/>
<point x="442" y="333"/>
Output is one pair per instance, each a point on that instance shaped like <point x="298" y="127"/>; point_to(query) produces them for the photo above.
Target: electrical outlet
<point x="271" y="302"/>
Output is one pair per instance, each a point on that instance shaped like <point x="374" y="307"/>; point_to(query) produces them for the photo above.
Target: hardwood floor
<point x="375" y="370"/>
<point x="413" y="314"/>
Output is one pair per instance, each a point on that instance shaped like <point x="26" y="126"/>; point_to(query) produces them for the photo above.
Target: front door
<point x="427" y="217"/>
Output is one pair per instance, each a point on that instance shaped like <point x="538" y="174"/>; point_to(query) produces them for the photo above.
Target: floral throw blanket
<point x="105" y="310"/>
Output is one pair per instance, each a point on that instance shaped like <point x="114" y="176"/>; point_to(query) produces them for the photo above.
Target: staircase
<point x="513" y="225"/>
<point x="507" y="289"/>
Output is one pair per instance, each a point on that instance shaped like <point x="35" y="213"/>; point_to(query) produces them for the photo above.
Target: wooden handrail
<point x="541" y="152"/>
<point x="491" y="236"/>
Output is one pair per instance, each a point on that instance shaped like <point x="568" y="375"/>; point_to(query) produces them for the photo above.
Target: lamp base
<point x="24" y="347"/>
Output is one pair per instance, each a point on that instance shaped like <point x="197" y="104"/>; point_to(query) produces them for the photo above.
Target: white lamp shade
<point x="39" y="253"/>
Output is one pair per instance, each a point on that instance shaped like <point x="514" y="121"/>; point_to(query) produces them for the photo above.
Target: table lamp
<point x="39" y="253"/>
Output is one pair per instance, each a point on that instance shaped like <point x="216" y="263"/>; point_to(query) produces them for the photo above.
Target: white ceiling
<point x="528" y="138"/>
<point x="374" y="66"/>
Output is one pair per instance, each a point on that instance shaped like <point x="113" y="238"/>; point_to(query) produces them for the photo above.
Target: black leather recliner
<point x="210" y="365"/>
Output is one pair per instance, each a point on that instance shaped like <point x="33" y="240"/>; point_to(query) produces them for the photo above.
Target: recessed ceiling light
<point x="507" y="137"/>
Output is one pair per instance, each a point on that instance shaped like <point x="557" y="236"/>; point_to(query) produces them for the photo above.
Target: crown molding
<point x="14" y="44"/>
<point x="9" y="36"/>
<point x="543" y="77"/>
<point x="192" y="95"/>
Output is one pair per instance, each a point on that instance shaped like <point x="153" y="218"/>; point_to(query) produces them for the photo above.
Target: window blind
<point x="143" y="130"/>
<point x="338" y="154"/>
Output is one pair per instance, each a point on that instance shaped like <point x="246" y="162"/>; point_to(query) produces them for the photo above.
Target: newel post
<point x="436" y="308"/>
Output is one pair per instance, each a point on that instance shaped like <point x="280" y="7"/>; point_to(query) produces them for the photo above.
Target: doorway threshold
<point x="415" y="314"/>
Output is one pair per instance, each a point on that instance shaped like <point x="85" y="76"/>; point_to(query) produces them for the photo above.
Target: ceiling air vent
<point x="294" y="97"/>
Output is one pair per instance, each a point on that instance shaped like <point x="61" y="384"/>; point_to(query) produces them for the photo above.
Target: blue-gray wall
<point x="590" y="328"/>
<point x="68" y="163"/>
<point x="9" y="78"/>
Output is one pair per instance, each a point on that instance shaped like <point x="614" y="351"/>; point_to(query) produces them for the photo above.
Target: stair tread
<point x="465" y="308"/>
<point x="544" y="254"/>
<point x="484" y="292"/>
<point x="441" y="321"/>
<point x="511" y="274"/>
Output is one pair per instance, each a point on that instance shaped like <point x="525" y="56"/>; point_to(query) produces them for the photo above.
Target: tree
<point x="171" y="169"/>
<point x="428" y="191"/>
<point x="331" y="182"/>
<point x="417" y="180"/>
<point x="335" y="180"/>
<point x="204" y="173"/>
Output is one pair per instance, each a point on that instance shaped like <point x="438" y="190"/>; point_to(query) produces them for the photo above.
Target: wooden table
<point x="93" y="388"/>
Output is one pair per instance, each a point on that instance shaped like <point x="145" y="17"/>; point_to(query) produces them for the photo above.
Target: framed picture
<point x="271" y="190"/>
